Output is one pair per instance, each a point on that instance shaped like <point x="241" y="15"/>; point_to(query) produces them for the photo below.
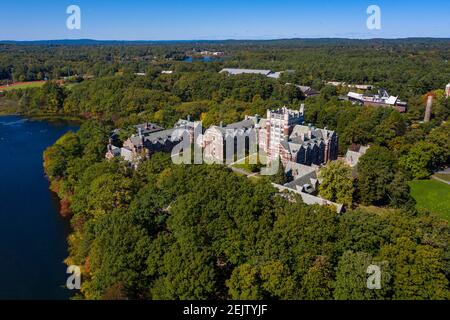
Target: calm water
<point x="32" y="234"/>
<point x="203" y="59"/>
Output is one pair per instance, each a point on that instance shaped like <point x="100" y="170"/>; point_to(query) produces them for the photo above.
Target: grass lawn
<point x="244" y="164"/>
<point x="23" y="85"/>
<point x="433" y="196"/>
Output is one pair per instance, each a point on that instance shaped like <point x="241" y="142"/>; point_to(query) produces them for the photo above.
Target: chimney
<point x="302" y="109"/>
<point x="428" y="109"/>
<point x="188" y="118"/>
<point x="221" y="124"/>
<point x="447" y="91"/>
<point x="140" y="132"/>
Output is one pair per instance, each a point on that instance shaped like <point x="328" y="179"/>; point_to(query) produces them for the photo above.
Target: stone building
<point x="277" y="128"/>
<point x="149" y="139"/>
<point x="238" y="136"/>
<point x="284" y="134"/>
<point x="354" y="153"/>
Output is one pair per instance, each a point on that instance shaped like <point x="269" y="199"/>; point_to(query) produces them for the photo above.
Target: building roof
<point x="391" y="100"/>
<point x="245" y="124"/>
<point x="126" y="154"/>
<point x="115" y="151"/>
<point x="354" y="153"/>
<point x="354" y="95"/>
<point x="274" y="75"/>
<point x="298" y="170"/>
<point x="307" y="91"/>
<point x="308" y="179"/>
<point x="186" y="124"/>
<point x="163" y="136"/>
<point x="304" y="134"/>
<point x="148" y="128"/>
<point x="236" y="71"/>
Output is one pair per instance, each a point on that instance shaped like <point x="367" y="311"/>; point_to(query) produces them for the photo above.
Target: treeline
<point x="162" y="98"/>
<point x="405" y="67"/>
<point x="201" y="232"/>
<point x="128" y="99"/>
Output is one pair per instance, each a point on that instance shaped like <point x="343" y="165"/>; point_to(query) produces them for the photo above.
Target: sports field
<point x="22" y="85"/>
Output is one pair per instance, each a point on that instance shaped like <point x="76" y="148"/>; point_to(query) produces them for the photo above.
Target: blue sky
<point x="231" y="19"/>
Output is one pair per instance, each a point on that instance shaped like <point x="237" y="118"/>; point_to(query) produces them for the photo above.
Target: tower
<point x="428" y="109"/>
<point x="279" y="126"/>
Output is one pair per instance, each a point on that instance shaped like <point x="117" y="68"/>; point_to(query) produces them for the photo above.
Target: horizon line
<point x="230" y="39"/>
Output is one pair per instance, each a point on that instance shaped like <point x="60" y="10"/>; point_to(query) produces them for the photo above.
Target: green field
<point x="433" y="196"/>
<point x="23" y="86"/>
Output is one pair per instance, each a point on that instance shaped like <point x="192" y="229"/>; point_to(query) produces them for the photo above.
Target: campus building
<point x="236" y="135"/>
<point x="149" y="139"/>
<point x="382" y="99"/>
<point x="267" y="73"/>
<point x="283" y="134"/>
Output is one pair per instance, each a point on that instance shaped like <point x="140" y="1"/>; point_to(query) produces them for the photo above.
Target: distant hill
<point x="294" y="41"/>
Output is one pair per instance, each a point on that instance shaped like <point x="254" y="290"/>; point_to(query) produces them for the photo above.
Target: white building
<point x="233" y="71"/>
<point x="382" y="99"/>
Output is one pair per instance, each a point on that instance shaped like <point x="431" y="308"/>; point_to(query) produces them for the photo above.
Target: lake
<point x="32" y="233"/>
<point x="203" y="59"/>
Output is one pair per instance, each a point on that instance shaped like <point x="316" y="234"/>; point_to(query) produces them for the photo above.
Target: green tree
<point x="317" y="282"/>
<point x="277" y="281"/>
<point x="56" y="157"/>
<point x="337" y="183"/>
<point x="244" y="283"/>
<point x="185" y="273"/>
<point x="117" y="258"/>
<point x="399" y="191"/>
<point x="376" y="170"/>
<point x="352" y="276"/>
<point x="280" y="176"/>
<point x="423" y="158"/>
<point x="417" y="270"/>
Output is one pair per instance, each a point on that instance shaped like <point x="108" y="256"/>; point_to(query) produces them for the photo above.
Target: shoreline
<point x="43" y="116"/>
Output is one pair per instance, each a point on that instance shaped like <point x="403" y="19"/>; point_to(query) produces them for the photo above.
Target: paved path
<point x="439" y="179"/>
<point x="241" y="171"/>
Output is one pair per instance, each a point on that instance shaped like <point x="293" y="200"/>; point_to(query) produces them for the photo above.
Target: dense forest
<point x="404" y="67"/>
<point x="202" y="232"/>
